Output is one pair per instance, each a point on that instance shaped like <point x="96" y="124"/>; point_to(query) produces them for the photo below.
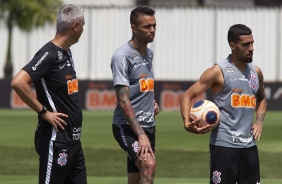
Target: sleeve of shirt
<point x="40" y="65"/>
<point x="119" y="66"/>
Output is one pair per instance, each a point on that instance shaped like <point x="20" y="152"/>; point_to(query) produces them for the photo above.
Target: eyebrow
<point x="247" y="42"/>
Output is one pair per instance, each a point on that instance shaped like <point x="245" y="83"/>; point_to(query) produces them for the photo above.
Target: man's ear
<point x="232" y="45"/>
<point x="74" y="25"/>
<point x="134" y="28"/>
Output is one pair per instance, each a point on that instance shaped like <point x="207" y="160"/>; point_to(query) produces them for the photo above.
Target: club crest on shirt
<point x="252" y="81"/>
<point x="216" y="177"/>
<point x="135" y="146"/>
<point x="60" y="55"/>
<point x="62" y="160"/>
<point x="134" y="56"/>
<point x="68" y="63"/>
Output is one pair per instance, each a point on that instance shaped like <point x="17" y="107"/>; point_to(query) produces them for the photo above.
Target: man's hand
<point x="194" y="128"/>
<point x="156" y="108"/>
<point x="55" y="119"/>
<point x="145" y="151"/>
<point x="257" y="129"/>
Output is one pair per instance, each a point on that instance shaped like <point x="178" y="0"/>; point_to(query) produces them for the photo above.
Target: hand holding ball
<point x="206" y="111"/>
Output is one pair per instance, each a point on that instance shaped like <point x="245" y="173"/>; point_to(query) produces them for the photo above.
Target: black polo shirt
<point x="56" y="85"/>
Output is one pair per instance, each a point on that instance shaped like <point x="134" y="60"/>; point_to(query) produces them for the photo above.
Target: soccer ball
<point x="207" y="111"/>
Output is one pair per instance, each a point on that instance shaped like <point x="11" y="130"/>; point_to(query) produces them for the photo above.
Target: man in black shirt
<point x="57" y="137"/>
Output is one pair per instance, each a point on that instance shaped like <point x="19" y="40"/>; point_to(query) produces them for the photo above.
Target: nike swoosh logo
<point x="62" y="66"/>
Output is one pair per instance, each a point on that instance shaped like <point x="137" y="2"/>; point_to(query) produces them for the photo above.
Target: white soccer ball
<point x="206" y="111"/>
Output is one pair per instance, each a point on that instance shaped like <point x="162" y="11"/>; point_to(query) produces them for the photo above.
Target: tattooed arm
<point x="144" y="145"/>
<point x="123" y="93"/>
<point x="261" y="107"/>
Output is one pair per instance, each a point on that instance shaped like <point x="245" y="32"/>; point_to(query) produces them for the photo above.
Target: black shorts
<point x="231" y="165"/>
<point x="60" y="163"/>
<point x="128" y="141"/>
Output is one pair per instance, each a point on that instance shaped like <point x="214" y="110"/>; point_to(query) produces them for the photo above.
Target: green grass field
<point x="182" y="157"/>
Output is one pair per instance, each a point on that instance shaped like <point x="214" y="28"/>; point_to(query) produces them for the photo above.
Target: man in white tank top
<point x="232" y="142"/>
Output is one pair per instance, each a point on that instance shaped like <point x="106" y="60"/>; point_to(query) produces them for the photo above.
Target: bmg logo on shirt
<point x="146" y="84"/>
<point x="243" y="100"/>
<point x="72" y="86"/>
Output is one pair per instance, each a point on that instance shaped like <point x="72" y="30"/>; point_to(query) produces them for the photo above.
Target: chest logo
<point x="72" y="86"/>
<point x="252" y="81"/>
<point x="229" y="69"/>
<point x="62" y="66"/>
<point x="134" y="56"/>
<point x="60" y="55"/>
<point x="143" y="75"/>
<point x="146" y="84"/>
<point x="69" y="64"/>
<point x="243" y="101"/>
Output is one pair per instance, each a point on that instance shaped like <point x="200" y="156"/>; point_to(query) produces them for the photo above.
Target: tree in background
<point x="26" y="14"/>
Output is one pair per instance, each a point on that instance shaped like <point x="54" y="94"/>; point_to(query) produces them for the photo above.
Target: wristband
<point x="43" y="111"/>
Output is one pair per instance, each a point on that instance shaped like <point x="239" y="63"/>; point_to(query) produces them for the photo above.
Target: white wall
<point x="188" y="40"/>
<point x="101" y="2"/>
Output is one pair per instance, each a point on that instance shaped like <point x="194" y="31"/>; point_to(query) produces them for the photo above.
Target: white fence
<point x="188" y="40"/>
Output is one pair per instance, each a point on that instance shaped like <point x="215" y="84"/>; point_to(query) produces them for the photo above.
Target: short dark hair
<point x="141" y="10"/>
<point x="237" y="30"/>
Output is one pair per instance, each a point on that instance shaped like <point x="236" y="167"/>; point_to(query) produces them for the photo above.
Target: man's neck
<point x="61" y="41"/>
<point x="141" y="48"/>
<point x="241" y="65"/>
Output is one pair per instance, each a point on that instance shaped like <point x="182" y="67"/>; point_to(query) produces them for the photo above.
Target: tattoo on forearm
<point x="124" y="101"/>
<point x="135" y="126"/>
<point x="140" y="131"/>
<point x="123" y="94"/>
<point x="260" y="117"/>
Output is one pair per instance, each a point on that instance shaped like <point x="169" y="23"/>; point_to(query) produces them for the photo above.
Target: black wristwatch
<point x="43" y="111"/>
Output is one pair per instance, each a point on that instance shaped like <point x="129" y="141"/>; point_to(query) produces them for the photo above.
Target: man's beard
<point x="248" y="60"/>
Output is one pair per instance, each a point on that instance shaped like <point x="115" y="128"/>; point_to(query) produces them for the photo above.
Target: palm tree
<point x="26" y="14"/>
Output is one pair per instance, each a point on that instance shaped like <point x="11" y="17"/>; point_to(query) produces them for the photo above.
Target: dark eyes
<point x="150" y="26"/>
<point x="248" y="44"/>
